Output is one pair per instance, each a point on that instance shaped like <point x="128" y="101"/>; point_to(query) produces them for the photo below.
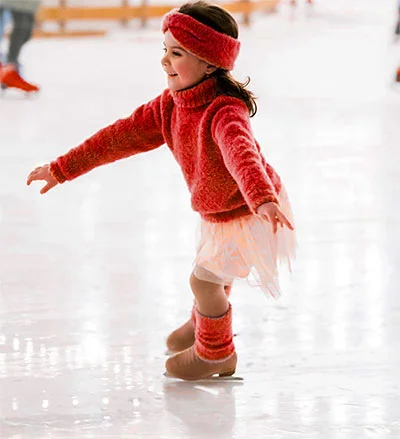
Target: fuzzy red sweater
<point x="209" y="136"/>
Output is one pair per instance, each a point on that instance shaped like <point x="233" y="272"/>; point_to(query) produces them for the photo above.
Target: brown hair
<point x="223" y="22"/>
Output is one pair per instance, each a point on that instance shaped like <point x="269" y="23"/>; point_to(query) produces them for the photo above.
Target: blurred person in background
<point x="23" y="18"/>
<point x="1" y="32"/>
<point x="2" y="22"/>
<point x="4" y="17"/>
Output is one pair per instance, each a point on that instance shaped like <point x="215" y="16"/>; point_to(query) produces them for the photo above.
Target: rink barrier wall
<point x="63" y="15"/>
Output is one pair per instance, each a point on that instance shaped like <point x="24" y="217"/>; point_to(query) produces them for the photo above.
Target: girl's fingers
<point x="36" y="174"/>
<point x="33" y="176"/>
<point x="278" y="220"/>
<point x="274" y="225"/>
<point x="46" y="188"/>
<point x="283" y="220"/>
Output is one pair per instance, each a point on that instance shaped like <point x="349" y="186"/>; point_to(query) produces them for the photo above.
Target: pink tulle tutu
<point x="246" y="248"/>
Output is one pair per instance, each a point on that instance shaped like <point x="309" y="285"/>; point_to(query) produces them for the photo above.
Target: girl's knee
<point x="204" y="287"/>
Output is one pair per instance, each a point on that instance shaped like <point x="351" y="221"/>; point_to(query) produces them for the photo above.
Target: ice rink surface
<point x="94" y="275"/>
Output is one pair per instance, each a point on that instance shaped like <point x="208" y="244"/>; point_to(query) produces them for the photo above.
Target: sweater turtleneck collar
<point x="197" y="96"/>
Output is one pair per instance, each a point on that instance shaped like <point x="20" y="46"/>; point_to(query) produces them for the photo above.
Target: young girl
<point x="203" y="117"/>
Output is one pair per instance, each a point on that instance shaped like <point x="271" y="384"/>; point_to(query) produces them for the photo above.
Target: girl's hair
<point x="221" y="21"/>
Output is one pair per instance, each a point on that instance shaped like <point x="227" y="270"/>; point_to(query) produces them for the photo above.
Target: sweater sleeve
<point x="232" y="132"/>
<point x="137" y="133"/>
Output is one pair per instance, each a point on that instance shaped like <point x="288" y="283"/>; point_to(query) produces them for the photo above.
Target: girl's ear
<point x="210" y="69"/>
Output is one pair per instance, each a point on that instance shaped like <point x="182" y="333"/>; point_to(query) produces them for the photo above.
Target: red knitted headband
<point x="216" y="48"/>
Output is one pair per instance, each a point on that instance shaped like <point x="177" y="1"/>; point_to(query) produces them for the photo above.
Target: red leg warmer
<point x="214" y="338"/>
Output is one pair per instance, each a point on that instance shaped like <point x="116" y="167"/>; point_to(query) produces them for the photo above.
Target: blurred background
<point x="94" y="275"/>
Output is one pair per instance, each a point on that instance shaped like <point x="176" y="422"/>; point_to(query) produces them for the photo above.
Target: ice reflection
<point x="16" y="344"/>
<point x="90" y="213"/>
<point x="342" y="264"/>
<point x="15" y="403"/>
<point x="373" y="275"/>
<point x="339" y="411"/>
<point x="306" y="410"/>
<point x="375" y="411"/>
<point x="209" y="409"/>
<point x="127" y="354"/>
<point x="374" y="295"/>
<point x="340" y="312"/>
<point x="94" y="351"/>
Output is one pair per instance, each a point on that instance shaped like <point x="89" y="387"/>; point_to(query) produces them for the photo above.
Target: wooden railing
<point x="63" y="14"/>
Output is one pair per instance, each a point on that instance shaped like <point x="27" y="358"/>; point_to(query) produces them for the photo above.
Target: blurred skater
<point x="23" y="17"/>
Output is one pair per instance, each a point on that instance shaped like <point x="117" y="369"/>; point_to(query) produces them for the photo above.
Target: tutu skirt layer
<point x="247" y="248"/>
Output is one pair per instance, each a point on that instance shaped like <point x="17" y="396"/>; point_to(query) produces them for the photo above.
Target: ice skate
<point x="188" y="366"/>
<point x="213" y="352"/>
<point x="183" y="337"/>
<point x="10" y="78"/>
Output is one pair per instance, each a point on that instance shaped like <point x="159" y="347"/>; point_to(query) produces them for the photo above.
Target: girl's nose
<point x="164" y="60"/>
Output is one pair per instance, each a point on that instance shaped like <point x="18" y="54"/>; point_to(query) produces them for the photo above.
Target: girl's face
<point x="183" y="69"/>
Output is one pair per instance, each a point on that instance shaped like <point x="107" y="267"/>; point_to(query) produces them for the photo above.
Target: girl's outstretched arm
<point x="42" y="173"/>
<point x="140" y="132"/>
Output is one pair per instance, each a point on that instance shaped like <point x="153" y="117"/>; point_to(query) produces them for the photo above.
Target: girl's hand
<point x="42" y="173"/>
<point x="272" y="213"/>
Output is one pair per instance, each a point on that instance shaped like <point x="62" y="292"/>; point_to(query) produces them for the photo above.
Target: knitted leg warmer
<point x="214" y="338"/>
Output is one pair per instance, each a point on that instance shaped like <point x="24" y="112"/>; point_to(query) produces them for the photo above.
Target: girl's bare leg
<point x="210" y="297"/>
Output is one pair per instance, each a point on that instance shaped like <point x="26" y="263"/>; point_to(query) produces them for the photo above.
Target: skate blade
<point x="221" y="379"/>
<point x="211" y="379"/>
<point x="169" y="352"/>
